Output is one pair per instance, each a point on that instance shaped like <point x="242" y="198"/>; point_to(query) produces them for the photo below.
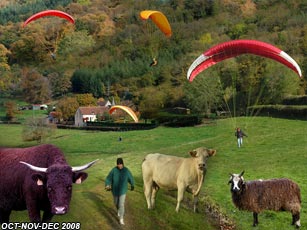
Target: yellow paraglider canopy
<point x="159" y="19"/>
<point x="126" y="109"/>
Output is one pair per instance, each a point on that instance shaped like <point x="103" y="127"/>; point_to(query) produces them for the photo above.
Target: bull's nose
<point x="59" y="210"/>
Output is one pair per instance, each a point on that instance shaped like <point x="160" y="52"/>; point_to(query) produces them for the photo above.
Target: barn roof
<point x="89" y="110"/>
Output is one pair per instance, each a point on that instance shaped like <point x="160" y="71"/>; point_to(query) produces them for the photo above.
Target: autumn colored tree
<point x="35" y="87"/>
<point x="67" y="106"/>
<point x="60" y="83"/>
<point x="5" y="69"/>
<point x="29" y="49"/>
<point x="11" y="110"/>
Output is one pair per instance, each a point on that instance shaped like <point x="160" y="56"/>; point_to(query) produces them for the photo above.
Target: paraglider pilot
<point x="154" y="62"/>
<point x="53" y="55"/>
<point x="239" y="134"/>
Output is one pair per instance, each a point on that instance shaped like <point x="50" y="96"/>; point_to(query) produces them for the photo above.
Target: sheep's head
<point x="237" y="182"/>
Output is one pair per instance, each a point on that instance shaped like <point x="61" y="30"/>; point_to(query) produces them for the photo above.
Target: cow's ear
<point x="193" y="153"/>
<point x="79" y="177"/>
<point x="39" y="179"/>
<point x="212" y="152"/>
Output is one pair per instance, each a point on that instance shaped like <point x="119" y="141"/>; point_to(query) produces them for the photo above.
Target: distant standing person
<point x="239" y="134"/>
<point x="117" y="182"/>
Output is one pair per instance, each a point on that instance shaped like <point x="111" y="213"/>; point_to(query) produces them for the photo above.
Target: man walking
<point x="239" y="134"/>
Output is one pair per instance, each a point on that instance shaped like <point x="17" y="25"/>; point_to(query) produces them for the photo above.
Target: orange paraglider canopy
<point x="56" y="13"/>
<point x="159" y="19"/>
<point x="126" y="109"/>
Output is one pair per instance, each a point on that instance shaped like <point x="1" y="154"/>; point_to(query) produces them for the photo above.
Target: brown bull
<point x="175" y="173"/>
<point x="36" y="178"/>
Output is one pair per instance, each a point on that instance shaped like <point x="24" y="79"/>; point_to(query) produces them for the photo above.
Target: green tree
<point x="76" y="43"/>
<point x="86" y="81"/>
<point x="204" y="94"/>
<point x="86" y="99"/>
<point x="237" y="31"/>
<point x="150" y="105"/>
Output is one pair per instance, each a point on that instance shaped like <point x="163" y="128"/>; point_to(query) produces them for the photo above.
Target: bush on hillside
<point x="36" y="129"/>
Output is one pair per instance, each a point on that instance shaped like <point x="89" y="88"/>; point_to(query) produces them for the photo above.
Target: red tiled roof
<point x="93" y="110"/>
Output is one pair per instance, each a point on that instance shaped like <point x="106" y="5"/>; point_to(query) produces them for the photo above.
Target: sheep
<point x="258" y="195"/>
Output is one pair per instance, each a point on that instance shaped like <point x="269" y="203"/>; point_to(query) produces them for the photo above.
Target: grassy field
<point x="274" y="148"/>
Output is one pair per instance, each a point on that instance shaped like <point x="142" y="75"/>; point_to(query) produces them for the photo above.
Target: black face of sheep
<point x="258" y="195"/>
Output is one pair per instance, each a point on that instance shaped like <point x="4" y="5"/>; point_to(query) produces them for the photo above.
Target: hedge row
<point x="282" y="111"/>
<point x="112" y="126"/>
<point x="178" y="120"/>
<point x="295" y="100"/>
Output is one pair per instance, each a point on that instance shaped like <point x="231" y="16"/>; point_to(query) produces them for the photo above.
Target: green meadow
<point x="274" y="148"/>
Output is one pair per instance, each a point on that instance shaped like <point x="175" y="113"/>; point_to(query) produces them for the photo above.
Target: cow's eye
<point x="50" y="189"/>
<point x="69" y="188"/>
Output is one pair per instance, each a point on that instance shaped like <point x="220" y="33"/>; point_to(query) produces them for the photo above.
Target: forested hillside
<point x="108" y="51"/>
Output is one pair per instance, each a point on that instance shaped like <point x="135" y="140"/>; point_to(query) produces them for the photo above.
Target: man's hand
<point x="108" y="188"/>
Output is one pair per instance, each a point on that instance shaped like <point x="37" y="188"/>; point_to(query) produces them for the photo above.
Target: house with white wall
<point x="89" y="113"/>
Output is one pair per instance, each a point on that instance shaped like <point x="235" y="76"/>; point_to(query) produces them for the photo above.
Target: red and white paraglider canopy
<point x="234" y="48"/>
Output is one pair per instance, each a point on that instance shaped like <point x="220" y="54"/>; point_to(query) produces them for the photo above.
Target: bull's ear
<point x="39" y="179"/>
<point x="79" y="177"/>
<point x="193" y="153"/>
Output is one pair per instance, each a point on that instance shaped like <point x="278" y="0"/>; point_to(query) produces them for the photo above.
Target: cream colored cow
<point x="175" y="173"/>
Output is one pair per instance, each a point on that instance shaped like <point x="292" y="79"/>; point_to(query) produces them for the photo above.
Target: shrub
<point x="36" y="129"/>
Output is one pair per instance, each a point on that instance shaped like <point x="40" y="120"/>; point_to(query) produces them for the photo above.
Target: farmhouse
<point x="91" y="113"/>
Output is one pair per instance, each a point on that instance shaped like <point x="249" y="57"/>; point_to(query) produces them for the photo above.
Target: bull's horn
<point x="37" y="169"/>
<point x="83" y="167"/>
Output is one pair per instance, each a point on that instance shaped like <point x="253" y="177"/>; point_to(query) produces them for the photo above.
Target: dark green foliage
<point x="20" y="12"/>
<point x="281" y="111"/>
<point x="86" y="81"/>
<point x="113" y="126"/>
<point x="295" y="100"/>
